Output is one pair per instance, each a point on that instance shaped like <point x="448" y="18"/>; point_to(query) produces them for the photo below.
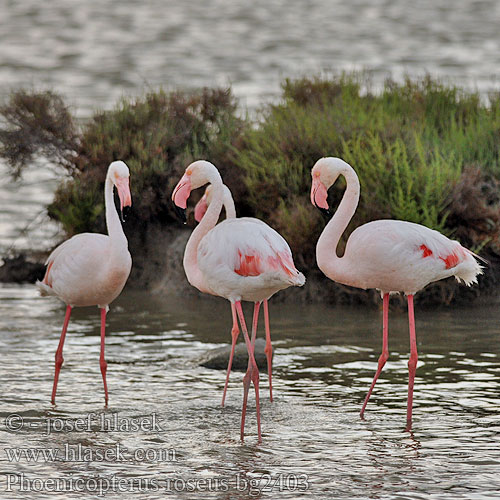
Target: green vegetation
<point x="413" y="146"/>
<point x="424" y="151"/>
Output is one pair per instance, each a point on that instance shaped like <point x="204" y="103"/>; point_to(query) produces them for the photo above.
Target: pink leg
<point x="412" y="363"/>
<point x="102" y="361"/>
<point x="385" y="350"/>
<point x="251" y="374"/>
<point x="256" y="310"/>
<point x="59" y="356"/>
<point x="268" y="349"/>
<point x="234" y="335"/>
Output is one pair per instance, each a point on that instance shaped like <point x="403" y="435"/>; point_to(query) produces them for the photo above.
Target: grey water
<point x="314" y="443"/>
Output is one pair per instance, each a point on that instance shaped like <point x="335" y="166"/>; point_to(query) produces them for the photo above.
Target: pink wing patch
<point x="450" y="260"/>
<point x="249" y="265"/>
<point x="427" y="252"/>
<point x="252" y="265"/>
<point x="283" y="261"/>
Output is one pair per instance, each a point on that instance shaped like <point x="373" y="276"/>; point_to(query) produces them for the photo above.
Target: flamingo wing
<point x="75" y="264"/>
<point x="246" y="253"/>
<point x="390" y="251"/>
<point x="252" y="248"/>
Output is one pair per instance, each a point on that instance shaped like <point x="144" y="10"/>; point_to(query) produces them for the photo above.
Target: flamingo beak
<point x="319" y="195"/>
<point x="200" y="208"/>
<point x="123" y="188"/>
<point x="180" y="195"/>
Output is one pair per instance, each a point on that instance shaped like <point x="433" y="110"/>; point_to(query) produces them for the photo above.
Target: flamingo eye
<point x="189" y="172"/>
<point x="316" y="174"/>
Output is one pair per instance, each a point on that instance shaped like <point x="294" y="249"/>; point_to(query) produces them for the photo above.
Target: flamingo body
<point x="85" y="271"/>
<point x="245" y="259"/>
<point x="399" y="256"/>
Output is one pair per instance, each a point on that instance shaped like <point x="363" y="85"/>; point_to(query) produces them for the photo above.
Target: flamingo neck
<point x="115" y="230"/>
<point x="326" y="249"/>
<point x="229" y="204"/>
<point x="208" y="222"/>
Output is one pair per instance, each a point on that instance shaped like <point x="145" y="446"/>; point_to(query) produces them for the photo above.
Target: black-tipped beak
<point x="181" y="213"/>
<point x="124" y="212"/>
<point x="325" y="212"/>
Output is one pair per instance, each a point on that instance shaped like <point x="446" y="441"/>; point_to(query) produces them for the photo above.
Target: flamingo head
<point x="196" y="175"/>
<point x="324" y="174"/>
<point x="119" y="174"/>
<point x="202" y="206"/>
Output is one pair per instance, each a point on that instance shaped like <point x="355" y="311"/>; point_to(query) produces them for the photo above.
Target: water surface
<point x="313" y="437"/>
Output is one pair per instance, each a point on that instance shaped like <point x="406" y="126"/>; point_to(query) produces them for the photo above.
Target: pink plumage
<point x="238" y="259"/>
<point x="389" y="255"/>
<point x="91" y="269"/>
<point x="245" y="259"/>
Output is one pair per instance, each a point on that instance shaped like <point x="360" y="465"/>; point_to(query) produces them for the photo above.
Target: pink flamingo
<point x="91" y="269"/>
<point x="199" y="211"/>
<point x="389" y="255"/>
<point x="238" y="259"/>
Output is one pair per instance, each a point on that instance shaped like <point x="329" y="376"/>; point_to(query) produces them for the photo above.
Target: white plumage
<point x="245" y="259"/>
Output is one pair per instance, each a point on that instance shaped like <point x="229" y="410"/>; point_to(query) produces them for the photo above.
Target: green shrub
<point x="410" y="145"/>
<point x="424" y="151"/>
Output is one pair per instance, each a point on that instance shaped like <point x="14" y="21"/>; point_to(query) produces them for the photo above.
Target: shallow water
<point x="313" y="438"/>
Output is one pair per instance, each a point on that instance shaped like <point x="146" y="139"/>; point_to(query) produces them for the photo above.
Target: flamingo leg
<point x="102" y="361"/>
<point x="256" y="310"/>
<point x="268" y="349"/>
<point x="235" y="331"/>
<point x="385" y="350"/>
<point x="251" y="374"/>
<point x="59" y="351"/>
<point x="412" y="363"/>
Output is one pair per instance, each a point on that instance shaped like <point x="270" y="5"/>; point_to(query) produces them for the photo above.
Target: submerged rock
<point x="217" y="359"/>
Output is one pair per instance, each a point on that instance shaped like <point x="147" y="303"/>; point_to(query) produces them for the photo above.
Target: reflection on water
<point x="312" y="435"/>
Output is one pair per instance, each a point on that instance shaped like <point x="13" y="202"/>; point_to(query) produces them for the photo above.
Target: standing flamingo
<point x="199" y="211"/>
<point x="91" y="269"/>
<point x="389" y="255"/>
<point x="238" y="259"/>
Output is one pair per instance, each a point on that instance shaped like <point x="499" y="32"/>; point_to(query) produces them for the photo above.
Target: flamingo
<point x="91" y="269"/>
<point x="389" y="255"/>
<point x="199" y="211"/>
<point x="238" y="259"/>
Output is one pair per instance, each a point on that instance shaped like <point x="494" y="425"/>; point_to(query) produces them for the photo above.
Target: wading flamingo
<point x="199" y="211"/>
<point x="389" y="255"/>
<point x="91" y="269"/>
<point x="238" y="259"/>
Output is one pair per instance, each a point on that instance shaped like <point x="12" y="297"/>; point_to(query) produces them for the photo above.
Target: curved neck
<point x="229" y="204"/>
<point x="209" y="221"/>
<point x="326" y="249"/>
<point x="115" y="230"/>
